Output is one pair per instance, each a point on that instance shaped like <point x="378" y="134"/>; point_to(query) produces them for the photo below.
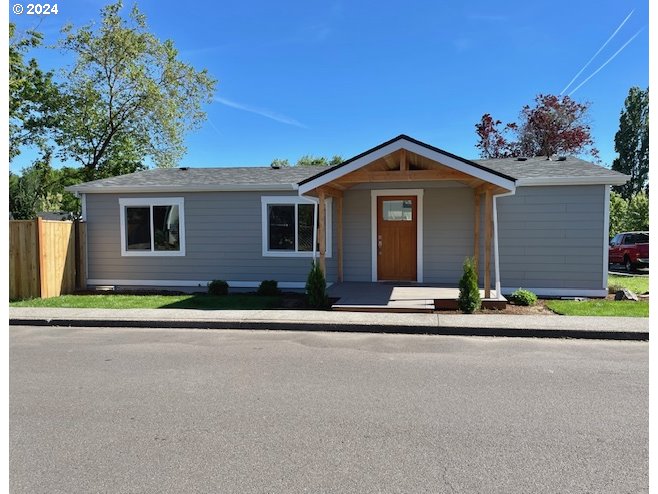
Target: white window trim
<point x="293" y="200"/>
<point x="374" y="194"/>
<point x="150" y="202"/>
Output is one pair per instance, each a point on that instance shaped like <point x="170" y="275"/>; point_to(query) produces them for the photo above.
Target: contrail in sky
<point x="600" y="49"/>
<point x="606" y="62"/>
<point x="263" y="112"/>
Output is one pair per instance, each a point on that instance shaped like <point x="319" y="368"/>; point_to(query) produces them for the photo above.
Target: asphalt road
<point x="150" y="410"/>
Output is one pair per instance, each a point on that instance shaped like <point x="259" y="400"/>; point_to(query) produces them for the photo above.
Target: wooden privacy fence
<point x="46" y="258"/>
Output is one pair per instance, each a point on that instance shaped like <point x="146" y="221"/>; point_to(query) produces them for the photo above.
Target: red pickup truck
<point x="630" y="249"/>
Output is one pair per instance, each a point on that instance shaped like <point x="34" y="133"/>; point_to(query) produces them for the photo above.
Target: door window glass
<point x="397" y="210"/>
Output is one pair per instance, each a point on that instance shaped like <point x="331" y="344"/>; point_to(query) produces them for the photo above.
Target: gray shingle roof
<point x="248" y="177"/>
<point x="540" y="167"/>
<point x="267" y="178"/>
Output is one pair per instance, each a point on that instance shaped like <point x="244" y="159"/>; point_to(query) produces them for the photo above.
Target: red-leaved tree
<point x="555" y="125"/>
<point x="493" y="142"/>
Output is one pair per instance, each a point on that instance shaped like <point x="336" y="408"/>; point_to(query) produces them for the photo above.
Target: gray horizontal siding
<point x="357" y="236"/>
<point x="448" y="233"/>
<point x="549" y="237"/>
<point x="552" y="237"/>
<point x="222" y="241"/>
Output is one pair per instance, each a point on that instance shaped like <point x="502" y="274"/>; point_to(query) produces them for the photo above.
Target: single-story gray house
<point x="401" y="211"/>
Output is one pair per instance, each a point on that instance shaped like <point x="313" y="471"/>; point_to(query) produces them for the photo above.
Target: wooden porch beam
<point x="404" y="165"/>
<point x="403" y="176"/>
<point x="332" y="191"/>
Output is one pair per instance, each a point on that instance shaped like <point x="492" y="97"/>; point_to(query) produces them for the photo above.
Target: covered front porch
<point x="402" y="297"/>
<point x="407" y="214"/>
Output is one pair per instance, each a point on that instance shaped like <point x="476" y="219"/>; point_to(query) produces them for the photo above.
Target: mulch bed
<point x="539" y="309"/>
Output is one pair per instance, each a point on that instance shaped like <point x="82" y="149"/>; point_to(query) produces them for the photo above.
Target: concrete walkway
<point x="620" y="328"/>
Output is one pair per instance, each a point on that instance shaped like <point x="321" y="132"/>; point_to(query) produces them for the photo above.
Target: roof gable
<point x="420" y="148"/>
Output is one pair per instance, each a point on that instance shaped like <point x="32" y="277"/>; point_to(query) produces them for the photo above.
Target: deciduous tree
<point x="628" y="215"/>
<point x="308" y="160"/>
<point x="128" y="97"/>
<point x="618" y="213"/>
<point x="553" y="125"/>
<point x="638" y="212"/>
<point x="32" y="95"/>
<point x="492" y="141"/>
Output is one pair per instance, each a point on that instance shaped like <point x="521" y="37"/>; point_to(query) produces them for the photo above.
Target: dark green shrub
<point x="268" y="288"/>
<point x="469" y="294"/>
<point x="218" y="287"/>
<point x="316" y="288"/>
<point x="523" y="297"/>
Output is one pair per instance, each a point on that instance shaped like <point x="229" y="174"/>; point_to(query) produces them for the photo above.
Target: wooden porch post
<point x="476" y="229"/>
<point x="488" y="225"/>
<point x="339" y="228"/>
<point x="322" y="230"/>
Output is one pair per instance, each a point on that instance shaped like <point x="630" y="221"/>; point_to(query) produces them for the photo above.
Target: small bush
<point x="615" y="288"/>
<point x="316" y="288"/>
<point x="268" y="288"/>
<point x="218" y="287"/>
<point x="469" y="294"/>
<point x="523" y="297"/>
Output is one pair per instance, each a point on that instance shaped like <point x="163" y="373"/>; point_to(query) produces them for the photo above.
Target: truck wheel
<point x="628" y="264"/>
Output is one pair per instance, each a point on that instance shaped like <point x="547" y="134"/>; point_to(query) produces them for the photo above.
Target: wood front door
<point x="397" y="238"/>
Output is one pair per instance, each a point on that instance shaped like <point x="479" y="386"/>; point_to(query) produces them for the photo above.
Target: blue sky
<point x="338" y="77"/>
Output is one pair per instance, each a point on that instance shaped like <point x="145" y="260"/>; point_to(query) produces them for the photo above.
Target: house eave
<point x="545" y="181"/>
<point x="155" y="189"/>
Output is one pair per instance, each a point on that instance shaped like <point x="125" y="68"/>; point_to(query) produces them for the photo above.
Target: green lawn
<point x="637" y="284"/>
<point x="624" y="308"/>
<point x="238" y="301"/>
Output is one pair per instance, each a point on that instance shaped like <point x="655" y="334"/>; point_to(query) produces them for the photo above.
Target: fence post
<point x="80" y="254"/>
<point x="41" y="249"/>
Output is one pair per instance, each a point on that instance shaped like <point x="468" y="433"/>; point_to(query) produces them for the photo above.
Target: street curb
<point x="344" y="328"/>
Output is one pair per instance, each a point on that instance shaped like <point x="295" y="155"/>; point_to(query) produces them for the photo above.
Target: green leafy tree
<point x="628" y="215"/>
<point x="128" y="97"/>
<point x="469" y="294"/>
<point x="618" y="213"/>
<point x="632" y="143"/>
<point x="33" y="95"/>
<point x="32" y="191"/>
<point x="279" y="163"/>
<point x="308" y="160"/>
<point x="638" y="212"/>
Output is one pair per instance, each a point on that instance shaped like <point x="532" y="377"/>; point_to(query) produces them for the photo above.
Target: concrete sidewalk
<point x="615" y="328"/>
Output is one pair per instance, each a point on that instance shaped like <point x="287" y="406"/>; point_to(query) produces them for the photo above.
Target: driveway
<point x="148" y="410"/>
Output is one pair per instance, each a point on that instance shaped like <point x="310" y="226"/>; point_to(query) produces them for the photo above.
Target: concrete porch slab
<point x="391" y="296"/>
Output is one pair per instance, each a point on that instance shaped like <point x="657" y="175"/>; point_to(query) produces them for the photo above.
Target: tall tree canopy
<point x="128" y="97"/>
<point x="32" y="95"/>
<point x="553" y="125"/>
<point x="632" y="143"/>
